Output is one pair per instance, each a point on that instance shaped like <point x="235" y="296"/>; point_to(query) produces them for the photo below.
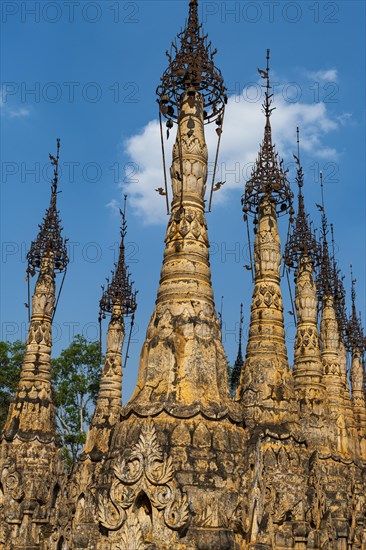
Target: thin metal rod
<point x="333" y="245"/>
<point x="129" y="340"/>
<point x="164" y="163"/>
<point x="291" y="297"/>
<point x="322" y="189"/>
<point x="250" y="252"/>
<point x="241" y="324"/>
<point x="28" y="304"/>
<point x="221" y="311"/>
<point x="180" y="163"/>
<point x="100" y="337"/>
<point x="287" y="239"/>
<point x="59" y="292"/>
<point x="216" y="159"/>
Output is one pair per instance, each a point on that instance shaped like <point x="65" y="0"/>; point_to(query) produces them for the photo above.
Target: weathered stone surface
<point x="183" y="465"/>
<point x="266" y="387"/>
<point x="31" y="468"/>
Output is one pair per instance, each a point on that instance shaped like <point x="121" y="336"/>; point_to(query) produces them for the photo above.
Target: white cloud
<point x="344" y="119"/>
<point x="17" y="113"/>
<point x="8" y="111"/>
<point x="329" y="75"/>
<point x="243" y="132"/>
<point x="114" y="205"/>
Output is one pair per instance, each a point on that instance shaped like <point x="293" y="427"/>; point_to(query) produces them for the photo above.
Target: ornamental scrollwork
<point x="144" y="469"/>
<point x="12" y="483"/>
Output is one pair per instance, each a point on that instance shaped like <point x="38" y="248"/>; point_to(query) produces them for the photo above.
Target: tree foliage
<point x="11" y="359"/>
<point x="75" y="379"/>
<point x="75" y="376"/>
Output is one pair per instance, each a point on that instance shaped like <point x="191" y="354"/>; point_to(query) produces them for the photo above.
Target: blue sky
<point x="87" y="72"/>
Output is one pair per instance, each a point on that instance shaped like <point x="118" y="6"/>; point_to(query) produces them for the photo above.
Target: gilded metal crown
<point x="49" y="239"/>
<point x="355" y="337"/>
<point x="119" y="291"/>
<point x="301" y="241"/>
<point x="191" y="68"/>
<point x="268" y="178"/>
<point x="329" y="280"/>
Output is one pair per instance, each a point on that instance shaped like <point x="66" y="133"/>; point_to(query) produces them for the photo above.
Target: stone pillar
<point x="184" y="333"/>
<point x="358" y="399"/>
<point x="31" y="470"/>
<point x="308" y="367"/>
<point x="333" y="378"/>
<point x="32" y="414"/>
<point x="109" y="402"/>
<point x="265" y="389"/>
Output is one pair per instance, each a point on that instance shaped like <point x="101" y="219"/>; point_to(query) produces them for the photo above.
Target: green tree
<point x="75" y="376"/>
<point x="11" y="359"/>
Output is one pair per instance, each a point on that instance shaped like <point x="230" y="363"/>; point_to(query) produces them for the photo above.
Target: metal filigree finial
<point x="325" y="272"/>
<point x="355" y="337"/>
<point x="49" y="239"/>
<point x="239" y="363"/>
<point x="339" y="292"/>
<point x="269" y="178"/>
<point x="267" y="105"/>
<point x="119" y="291"/>
<point x="329" y="280"/>
<point x="192" y="68"/>
<point x="241" y="321"/>
<point x="301" y="241"/>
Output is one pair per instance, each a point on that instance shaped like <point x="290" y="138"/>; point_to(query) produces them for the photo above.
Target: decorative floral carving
<point x="131" y="537"/>
<point x="12" y="483"/>
<point x="145" y="469"/>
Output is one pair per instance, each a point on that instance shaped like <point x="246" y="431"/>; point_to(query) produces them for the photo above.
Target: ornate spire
<point x="356" y="344"/>
<point x="184" y="332"/>
<point x="301" y="253"/>
<point x="355" y="338"/>
<point x="331" y="335"/>
<point x="268" y="179"/>
<point x="332" y="294"/>
<point x="325" y="277"/>
<point x="265" y="385"/>
<point x="239" y="363"/>
<point x="118" y="300"/>
<point x="32" y="414"/>
<point x="339" y="293"/>
<point x="335" y="376"/>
